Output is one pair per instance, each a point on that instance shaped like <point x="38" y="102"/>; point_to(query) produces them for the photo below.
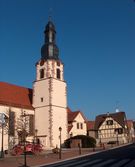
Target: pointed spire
<point x="49" y="50"/>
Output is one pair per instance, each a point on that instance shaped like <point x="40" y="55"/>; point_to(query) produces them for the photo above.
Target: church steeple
<point x="49" y="92"/>
<point x="49" y="50"/>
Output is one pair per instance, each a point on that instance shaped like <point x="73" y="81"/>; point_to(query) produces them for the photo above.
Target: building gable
<point x="109" y="123"/>
<point x="119" y="117"/>
<point x="79" y="118"/>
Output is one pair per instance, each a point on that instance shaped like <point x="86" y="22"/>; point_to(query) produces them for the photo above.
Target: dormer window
<point x="109" y="122"/>
<point x="41" y="73"/>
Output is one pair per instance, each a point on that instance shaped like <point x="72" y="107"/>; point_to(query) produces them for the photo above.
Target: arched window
<point x="41" y="73"/>
<point x="58" y="73"/>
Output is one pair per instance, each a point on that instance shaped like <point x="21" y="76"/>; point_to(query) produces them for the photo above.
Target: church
<point x="42" y="111"/>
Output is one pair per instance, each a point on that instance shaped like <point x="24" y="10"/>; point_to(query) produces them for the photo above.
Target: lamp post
<point x="60" y="129"/>
<point x="35" y="136"/>
<point x="25" y="133"/>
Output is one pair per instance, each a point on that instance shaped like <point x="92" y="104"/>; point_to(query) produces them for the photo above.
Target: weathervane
<point x="117" y="106"/>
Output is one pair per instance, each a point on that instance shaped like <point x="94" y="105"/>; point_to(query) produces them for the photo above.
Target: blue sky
<point x="96" y="39"/>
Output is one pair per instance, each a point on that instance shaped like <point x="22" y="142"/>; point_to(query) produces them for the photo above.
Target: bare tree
<point x="22" y="127"/>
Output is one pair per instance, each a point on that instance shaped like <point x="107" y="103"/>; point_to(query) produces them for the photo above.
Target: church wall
<point x="42" y="125"/>
<point x="13" y="139"/>
<point x="41" y="90"/>
<point x="59" y="93"/>
<point x="59" y="120"/>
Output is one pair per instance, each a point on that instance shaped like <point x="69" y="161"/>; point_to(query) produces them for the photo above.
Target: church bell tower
<point x="49" y="93"/>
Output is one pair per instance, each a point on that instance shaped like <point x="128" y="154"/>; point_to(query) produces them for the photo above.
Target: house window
<point x="41" y="73"/>
<point x="81" y="125"/>
<point x="42" y="99"/>
<point x="77" y="125"/>
<point x="119" y="130"/>
<point x="58" y="73"/>
<point x="109" y="122"/>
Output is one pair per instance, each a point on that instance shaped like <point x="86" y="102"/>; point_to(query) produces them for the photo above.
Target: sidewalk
<point x="45" y="158"/>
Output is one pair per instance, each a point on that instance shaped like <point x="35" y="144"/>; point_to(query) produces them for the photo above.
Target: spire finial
<point x="50" y="14"/>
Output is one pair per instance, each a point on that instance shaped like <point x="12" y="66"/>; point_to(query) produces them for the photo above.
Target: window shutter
<point x="11" y="123"/>
<point x="31" y="125"/>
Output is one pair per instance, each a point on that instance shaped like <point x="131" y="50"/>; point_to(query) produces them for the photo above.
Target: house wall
<point x="78" y="131"/>
<point x="107" y="133"/>
<point x="92" y="133"/>
<point x="131" y="132"/>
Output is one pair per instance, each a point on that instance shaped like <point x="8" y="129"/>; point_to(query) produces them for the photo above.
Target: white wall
<point x="41" y="90"/>
<point x="59" y="120"/>
<point x="18" y="111"/>
<point x="74" y="131"/>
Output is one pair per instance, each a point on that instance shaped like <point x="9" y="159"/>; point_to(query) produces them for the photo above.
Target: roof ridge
<point x="10" y="84"/>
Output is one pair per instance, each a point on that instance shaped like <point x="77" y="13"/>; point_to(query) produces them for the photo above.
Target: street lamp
<point x="25" y="134"/>
<point x="71" y="134"/>
<point x="60" y="129"/>
<point x="35" y="136"/>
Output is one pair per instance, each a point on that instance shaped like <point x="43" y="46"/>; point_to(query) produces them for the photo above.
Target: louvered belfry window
<point x="41" y="73"/>
<point x="58" y="73"/>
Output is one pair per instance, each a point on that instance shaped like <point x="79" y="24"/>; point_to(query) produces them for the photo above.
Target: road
<point x="119" y="157"/>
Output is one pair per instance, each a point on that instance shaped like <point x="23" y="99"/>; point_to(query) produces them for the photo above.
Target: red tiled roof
<point x="68" y="110"/>
<point x="72" y="115"/>
<point x="16" y="96"/>
<point x="90" y="125"/>
<point x="69" y="128"/>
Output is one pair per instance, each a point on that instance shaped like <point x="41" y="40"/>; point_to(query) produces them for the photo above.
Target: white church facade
<point x="44" y="106"/>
